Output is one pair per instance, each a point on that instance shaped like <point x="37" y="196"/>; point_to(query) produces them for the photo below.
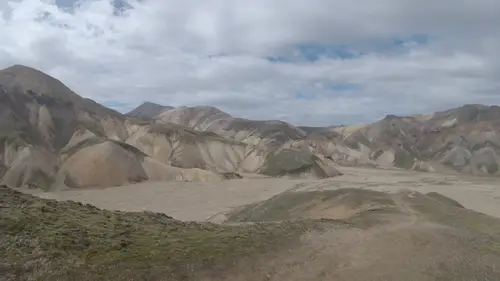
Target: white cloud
<point x="198" y="52"/>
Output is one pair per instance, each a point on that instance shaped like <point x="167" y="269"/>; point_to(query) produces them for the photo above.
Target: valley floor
<point x="210" y="201"/>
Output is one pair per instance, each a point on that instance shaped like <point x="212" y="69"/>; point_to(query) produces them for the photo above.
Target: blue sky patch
<point x="68" y="5"/>
<point x="340" y="87"/>
<point x="303" y="96"/>
<point x="336" y="88"/>
<point x="313" y="52"/>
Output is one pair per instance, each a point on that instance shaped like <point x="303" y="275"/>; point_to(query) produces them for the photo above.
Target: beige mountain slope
<point x="116" y="163"/>
<point x="268" y="133"/>
<point x="183" y="147"/>
<point x="100" y="163"/>
<point x="24" y="164"/>
<point x="264" y="144"/>
<point x="344" y="234"/>
<point x="400" y="236"/>
<point x="53" y="109"/>
<point x="180" y="146"/>
<point x="50" y="136"/>
<point x="39" y="117"/>
<point x="463" y="139"/>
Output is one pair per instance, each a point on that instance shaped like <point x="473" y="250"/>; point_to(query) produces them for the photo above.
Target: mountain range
<point x="52" y="138"/>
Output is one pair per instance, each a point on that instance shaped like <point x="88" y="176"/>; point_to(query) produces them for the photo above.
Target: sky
<point x="308" y="62"/>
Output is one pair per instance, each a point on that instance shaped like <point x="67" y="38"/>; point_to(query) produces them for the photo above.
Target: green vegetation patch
<point x="446" y="211"/>
<point x="493" y="168"/>
<point x="293" y="205"/>
<point x="444" y="199"/>
<point x="403" y="160"/>
<point x="49" y="240"/>
<point x="39" y="179"/>
<point x="18" y="136"/>
<point x="288" y="162"/>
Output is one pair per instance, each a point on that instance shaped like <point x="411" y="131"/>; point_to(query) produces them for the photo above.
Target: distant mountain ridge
<point x="464" y="139"/>
<point x="49" y="135"/>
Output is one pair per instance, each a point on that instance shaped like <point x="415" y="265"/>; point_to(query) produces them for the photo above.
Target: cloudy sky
<point x="314" y="62"/>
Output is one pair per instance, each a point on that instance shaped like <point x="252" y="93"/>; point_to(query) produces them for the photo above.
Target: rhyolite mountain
<point x="42" y="122"/>
<point x="464" y="139"/>
<point x="50" y="137"/>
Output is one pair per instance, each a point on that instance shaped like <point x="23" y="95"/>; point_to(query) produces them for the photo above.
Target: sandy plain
<point x="210" y="201"/>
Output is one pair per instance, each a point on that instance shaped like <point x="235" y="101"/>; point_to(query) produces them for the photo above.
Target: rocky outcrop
<point x="291" y="162"/>
<point x="182" y="147"/>
<point x="101" y="164"/>
<point x="27" y="166"/>
<point x="262" y="133"/>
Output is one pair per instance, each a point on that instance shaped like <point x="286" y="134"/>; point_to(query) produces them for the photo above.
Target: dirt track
<point x="211" y="200"/>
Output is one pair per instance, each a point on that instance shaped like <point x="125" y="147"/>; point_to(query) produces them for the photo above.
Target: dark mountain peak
<point x="20" y="80"/>
<point x="311" y="129"/>
<point x="28" y="80"/>
<point x="148" y="110"/>
<point x="19" y="68"/>
<point x="477" y="113"/>
<point x="477" y="106"/>
<point x="390" y="117"/>
<point x="469" y="113"/>
<point x="19" y="72"/>
<point x="152" y="104"/>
